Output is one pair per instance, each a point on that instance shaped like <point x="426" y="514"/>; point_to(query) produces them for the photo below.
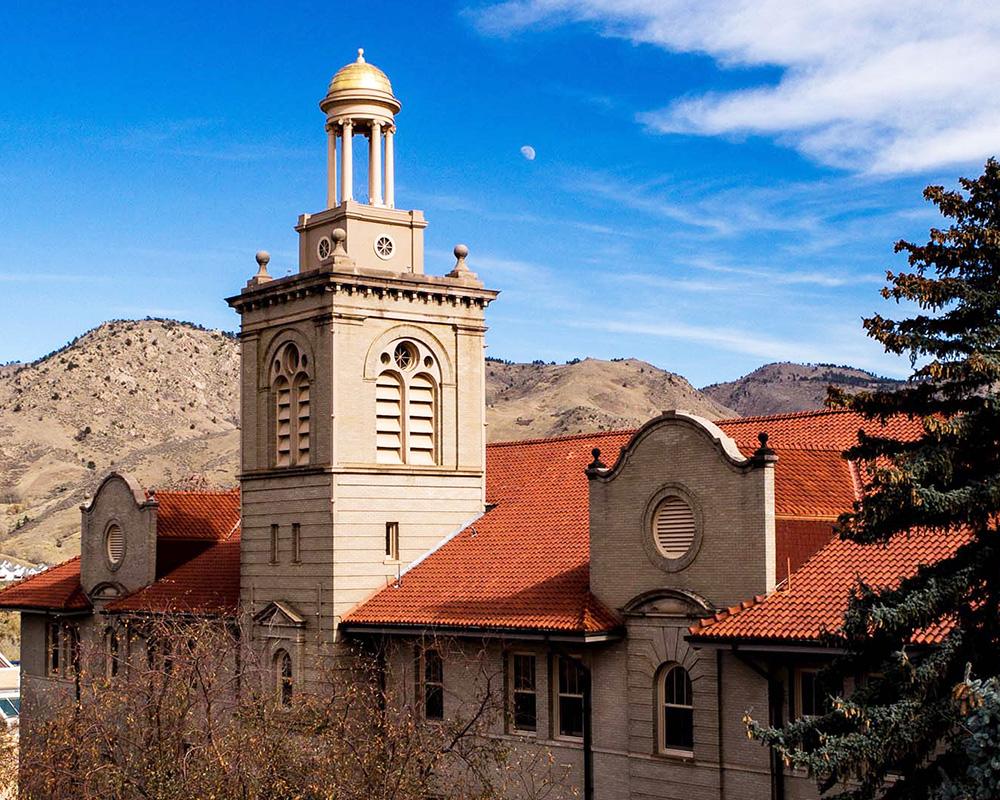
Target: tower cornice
<point x="391" y="285"/>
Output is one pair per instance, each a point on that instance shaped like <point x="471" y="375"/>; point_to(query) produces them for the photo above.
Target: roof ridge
<point x="567" y="438"/>
<point x="816" y="412"/>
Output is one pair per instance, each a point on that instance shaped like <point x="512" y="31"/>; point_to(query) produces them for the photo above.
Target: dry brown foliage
<point x="195" y="715"/>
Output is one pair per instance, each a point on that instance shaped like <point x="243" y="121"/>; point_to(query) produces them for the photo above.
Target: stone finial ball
<point x="338" y="235"/>
<point x="461" y="251"/>
<point x="263" y="257"/>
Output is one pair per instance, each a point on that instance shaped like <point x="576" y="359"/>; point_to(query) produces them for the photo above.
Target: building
<point x="640" y="590"/>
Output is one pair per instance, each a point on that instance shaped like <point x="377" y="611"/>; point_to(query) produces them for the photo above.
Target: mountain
<point x="158" y="398"/>
<point x="783" y="387"/>
<point x="536" y="400"/>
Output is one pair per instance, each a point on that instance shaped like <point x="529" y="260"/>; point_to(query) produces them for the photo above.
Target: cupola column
<point x="390" y="168"/>
<point x="346" y="165"/>
<point x="375" y="164"/>
<point x="331" y="166"/>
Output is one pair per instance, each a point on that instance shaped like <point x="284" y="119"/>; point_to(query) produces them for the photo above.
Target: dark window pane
<point x="524" y="673"/>
<point x="434" y="701"/>
<point x="433" y="667"/>
<point x="678" y="728"/>
<point x="525" y="718"/>
<point x="810" y="701"/>
<point x="571" y="716"/>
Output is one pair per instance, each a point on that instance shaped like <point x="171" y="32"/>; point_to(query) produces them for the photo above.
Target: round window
<point x="384" y="247"/>
<point x="324" y="248"/>
<point x="405" y="355"/>
<point x="115" y="541"/>
<point x="673" y="527"/>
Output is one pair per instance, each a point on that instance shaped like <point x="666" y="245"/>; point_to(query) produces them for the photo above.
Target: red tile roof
<point x="817" y="598"/>
<point x="56" y="589"/>
<point x="824" y="430"/>
<point x="525" y="563"/>
<point x="207" y="584"/>
<point x="199" y="548"/>
<point x="197" y="515"/>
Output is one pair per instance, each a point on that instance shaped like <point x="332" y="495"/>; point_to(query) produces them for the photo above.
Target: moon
<point x="528" y="152"/>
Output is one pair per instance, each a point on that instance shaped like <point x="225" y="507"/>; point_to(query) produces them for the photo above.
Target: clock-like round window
<point x="114" y="540"/>
<point x="324" y="248"/>
<point x="384" y="247"/>
<point x="673" y="527"/>
<point x="405" y="355"/>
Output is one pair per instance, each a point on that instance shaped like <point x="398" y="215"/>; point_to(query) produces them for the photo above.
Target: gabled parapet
<point x="117" y="539"/>
<point x="682" y="508"/>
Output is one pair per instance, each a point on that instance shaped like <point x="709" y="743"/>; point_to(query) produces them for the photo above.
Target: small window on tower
<point x="296" y="543"/>
<point x="392" y="541"/>
<point x="274" y="544"/>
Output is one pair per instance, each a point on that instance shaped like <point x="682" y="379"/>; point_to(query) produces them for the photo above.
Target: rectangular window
<point x="433" y="685"/>
<point x="810" y="700"/>
<point x="296" y="543"/>
<point x="53" y="636"/>
<point x="524" y="701"/>
<point x="274" y="544"/>
<point x="571" y="683"/>
<point x="392" y="540"/>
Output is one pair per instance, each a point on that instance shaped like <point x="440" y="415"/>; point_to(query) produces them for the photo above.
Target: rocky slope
<point x="531" y="400"/>
<point x="783" y="387"/>
<point x="155" y="397"/>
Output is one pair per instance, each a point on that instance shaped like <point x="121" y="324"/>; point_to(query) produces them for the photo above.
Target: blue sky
<point x="716" y="185"/>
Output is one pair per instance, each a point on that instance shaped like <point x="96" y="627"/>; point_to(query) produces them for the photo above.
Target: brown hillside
<point x="156" y="398"/>
<point x="159" y="399"/>
<point x="784" y="387"/>
<point x="533" y="400"/>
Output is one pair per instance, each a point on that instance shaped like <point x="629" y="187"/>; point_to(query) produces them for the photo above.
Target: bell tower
<point x="362" y="394"/>
<point x="360" y="102"/>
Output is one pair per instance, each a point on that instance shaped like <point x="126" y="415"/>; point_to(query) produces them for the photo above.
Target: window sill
<point x="523" y="734"/>
<point x="391" y="562"/>
<point x="676" y="755"/>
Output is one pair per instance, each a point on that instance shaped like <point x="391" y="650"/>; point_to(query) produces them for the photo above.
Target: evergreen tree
<point x="928" y="718"/>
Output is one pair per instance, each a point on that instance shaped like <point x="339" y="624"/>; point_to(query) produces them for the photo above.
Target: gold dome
<point x="360" y="76"/>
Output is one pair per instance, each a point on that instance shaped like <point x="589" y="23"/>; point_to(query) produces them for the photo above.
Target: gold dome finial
<point x="361" y="55"/>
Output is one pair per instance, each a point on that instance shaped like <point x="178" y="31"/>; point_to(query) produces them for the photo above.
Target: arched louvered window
<point x="284" y="677"/>
<point x="406" y="407"/>
<point x="290" y="388"/>
<point x="673" y="527"/>
<point x="676" y="709"/>
<point x="114" y="539"/>
<point x="420" y="420"/>
<point x="389" y="418"/>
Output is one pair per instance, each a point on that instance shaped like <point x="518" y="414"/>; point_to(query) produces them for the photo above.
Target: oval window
<point x="673" y="527"/>
<point x="115" y="539"/>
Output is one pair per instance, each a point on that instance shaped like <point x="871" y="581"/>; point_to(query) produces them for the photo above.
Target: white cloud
<point x="888" y="87"/>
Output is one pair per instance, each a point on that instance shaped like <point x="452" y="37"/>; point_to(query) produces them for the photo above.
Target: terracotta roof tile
<point x="524" y="564"/>
<point x="825" y="430"/>
<point x="207" y="584"/>
<point x="818" y="596"/>
<point x="197" y="515"/>
<point x="198" y="550"/>
<point x="56" y="589"/>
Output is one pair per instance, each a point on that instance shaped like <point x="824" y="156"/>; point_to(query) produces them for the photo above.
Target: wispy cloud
<point x="198" y="138"/>
<point x="883" y="88"/>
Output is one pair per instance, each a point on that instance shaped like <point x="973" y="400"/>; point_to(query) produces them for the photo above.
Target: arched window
<point x="389" y="419"/>
<point x="290" y="388"/>
<point x="406" y="407"/>
<point x="283" y="677"/>
<point x="676" y="709"/>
